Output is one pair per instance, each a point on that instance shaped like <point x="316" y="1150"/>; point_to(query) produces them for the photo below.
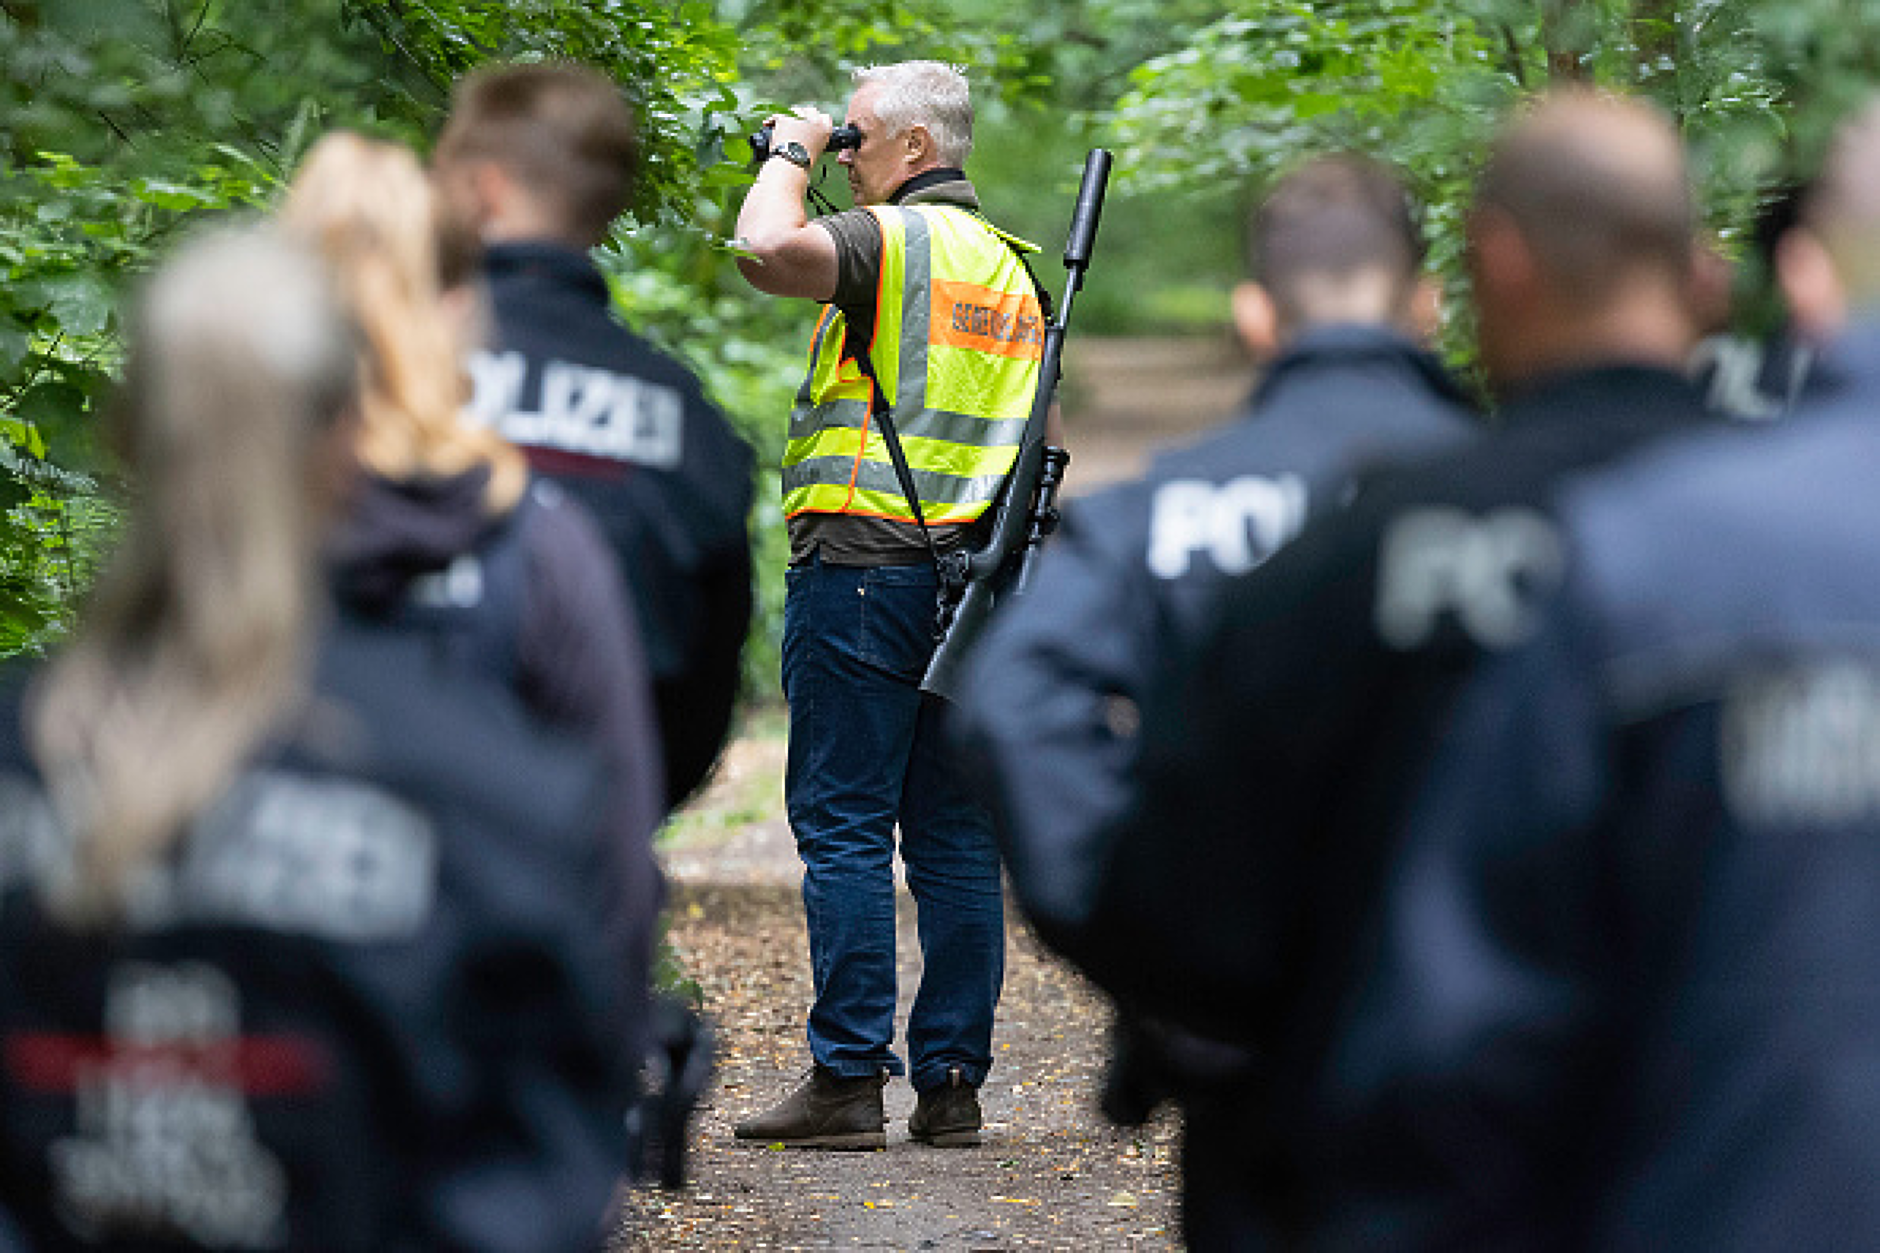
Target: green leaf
<point x="21" y="435"/>
<point x="14" y="344"/>
<point x="163" y="194"/>
<point x="22" y="616"/>
<point x="59" y="412"/>
<point x="13" y="491"/>
<point x="83" y="302"/>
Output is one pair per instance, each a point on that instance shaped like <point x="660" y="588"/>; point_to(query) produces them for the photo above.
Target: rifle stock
<point x="1024" y="512"/>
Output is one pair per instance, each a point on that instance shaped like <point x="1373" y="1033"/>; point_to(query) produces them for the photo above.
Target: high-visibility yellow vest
<point x="957" y="344"/>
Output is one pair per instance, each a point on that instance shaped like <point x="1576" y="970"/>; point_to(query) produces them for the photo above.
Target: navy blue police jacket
<point x="1050" y="706"/>
<point x="530" y="598"/>
<point x="1623" y="989"/>
<point x="375" y="999"/>
<point x="1283" y="747"/>
<point x="626" y="430"/>
<point x="1279" y="748"/>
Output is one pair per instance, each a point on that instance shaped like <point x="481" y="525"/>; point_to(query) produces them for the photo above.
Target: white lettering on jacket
<point x="582" y="409"/>
<point x="1803" y="746"/>
<point x="165" y="1140"/>
<point x="1488" y="570"/>
<point x="1236" y="524"/>
<point x="327" y="857"/>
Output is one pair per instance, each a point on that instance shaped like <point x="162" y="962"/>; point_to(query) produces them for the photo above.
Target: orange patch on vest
<point x="967" y="315"/>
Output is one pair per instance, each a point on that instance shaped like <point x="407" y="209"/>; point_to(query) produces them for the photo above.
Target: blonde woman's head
<point x="370" y="210"/>
<point x="242" y="375"/>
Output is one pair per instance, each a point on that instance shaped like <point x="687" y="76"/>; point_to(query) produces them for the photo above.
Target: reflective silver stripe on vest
<point x="954" y="428"/>
<point x="805" y="392"/>
<point x="946" y="489"/>
<point x="916" y="316"/>
<point x="831" y="414"/>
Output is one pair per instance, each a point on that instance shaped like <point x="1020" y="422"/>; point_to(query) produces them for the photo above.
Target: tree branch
<point x="116" y="129"/>
<point x="1516" y="59"/>
<point x="195" y="27"/>
<point x="1564" y="63"/>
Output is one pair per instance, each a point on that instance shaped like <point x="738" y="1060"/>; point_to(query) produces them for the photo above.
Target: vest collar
<point x="937" y="186"/>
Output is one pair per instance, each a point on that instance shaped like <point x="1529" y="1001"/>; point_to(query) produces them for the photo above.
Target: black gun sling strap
<point x="883" y="414"/>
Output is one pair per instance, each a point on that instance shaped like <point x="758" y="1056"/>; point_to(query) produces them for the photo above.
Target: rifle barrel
<point x="1012" y="529"/>
<point x="1082" y="240"/>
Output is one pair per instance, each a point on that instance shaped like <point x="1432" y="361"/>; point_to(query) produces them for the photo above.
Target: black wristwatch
<point x="793" y="152"/>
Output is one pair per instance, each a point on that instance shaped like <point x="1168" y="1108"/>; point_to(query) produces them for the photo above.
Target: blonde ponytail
<point x="197" y="635"/>
<point x="372" y="213"/>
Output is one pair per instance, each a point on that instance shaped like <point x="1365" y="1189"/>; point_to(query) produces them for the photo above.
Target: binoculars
<point x="839" y="138"/>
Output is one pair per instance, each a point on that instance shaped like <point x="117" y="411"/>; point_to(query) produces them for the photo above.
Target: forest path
<point x="1123" y="398"/>
<point x="1052" y="1173"/>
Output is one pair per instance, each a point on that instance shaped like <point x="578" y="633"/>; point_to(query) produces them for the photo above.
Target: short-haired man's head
<point x="560" y="130"/>
<point x="1842" y="206"/>
<point x="1332" y="221"/>
<point x="1597" y="187"/>
<point x="924" y="93"/>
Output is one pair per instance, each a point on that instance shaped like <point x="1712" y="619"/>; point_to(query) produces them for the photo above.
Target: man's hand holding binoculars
<point x="801" y="137"/>
<point x="778" y="252"/>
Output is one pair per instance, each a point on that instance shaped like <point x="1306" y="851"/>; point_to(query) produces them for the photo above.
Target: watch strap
<point x="793" y="152"/>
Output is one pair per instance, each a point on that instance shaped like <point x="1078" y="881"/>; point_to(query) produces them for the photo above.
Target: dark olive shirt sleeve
<point x="857" y="236"/>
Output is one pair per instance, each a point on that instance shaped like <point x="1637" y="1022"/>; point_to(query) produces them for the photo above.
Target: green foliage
<point x="1754" y="86"/>
<point x="126" y="122"/>
<point x="673" y="60"/>
<point x="121" y="121"/>
<point x="1419" y="83"/>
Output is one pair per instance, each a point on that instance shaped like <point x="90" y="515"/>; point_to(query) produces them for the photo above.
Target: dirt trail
<point x="1123" y="398"/>
<point x="1052" y="1173"/>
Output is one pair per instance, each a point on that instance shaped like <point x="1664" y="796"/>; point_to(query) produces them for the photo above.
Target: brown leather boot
<point x="826" y="1111"/>
<point x="947" y="1117"/>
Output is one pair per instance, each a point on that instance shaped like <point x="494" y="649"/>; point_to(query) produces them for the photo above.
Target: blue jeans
<point x="866" y="754"/>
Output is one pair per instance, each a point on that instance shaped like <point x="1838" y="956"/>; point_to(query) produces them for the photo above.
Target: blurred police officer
<point x="1278" y="759"/>
<point x="308" y="938"/>
<point x="1051" y="701"/>
<point x="540" y="160"/>
<point x="1620" y="990"/>
<point x="931" y="335"/>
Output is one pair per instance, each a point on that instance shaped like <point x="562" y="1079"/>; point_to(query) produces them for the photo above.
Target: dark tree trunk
<point x="1565" y="26"/>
